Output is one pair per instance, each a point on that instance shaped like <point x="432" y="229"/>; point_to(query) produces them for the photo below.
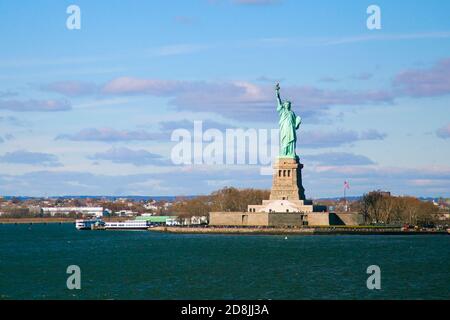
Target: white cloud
<point x="126" y="155"/>
<point x="32" y="158"/>
<point x="109" y="135"/>
<point x="35" y="105"/>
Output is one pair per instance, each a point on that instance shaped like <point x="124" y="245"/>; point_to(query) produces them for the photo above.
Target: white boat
<point x="81" y="224"/>
<point x="127" y="225"/>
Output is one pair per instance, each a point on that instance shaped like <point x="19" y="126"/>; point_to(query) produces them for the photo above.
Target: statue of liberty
<point x="289" y="122"/>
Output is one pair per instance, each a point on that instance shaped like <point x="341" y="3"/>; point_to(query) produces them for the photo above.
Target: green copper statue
<point x="289" y="122"/>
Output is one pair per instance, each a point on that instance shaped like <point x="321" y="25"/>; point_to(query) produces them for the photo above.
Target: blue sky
<point x="91" y="111"/>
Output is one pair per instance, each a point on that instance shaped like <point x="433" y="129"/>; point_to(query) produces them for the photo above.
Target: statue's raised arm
<point x="280" y="103"/>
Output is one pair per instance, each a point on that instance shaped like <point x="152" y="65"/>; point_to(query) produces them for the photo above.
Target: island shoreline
<point x="35" y="220"/>
<point x="288" y="231"/>
<point x="334" y="230"/>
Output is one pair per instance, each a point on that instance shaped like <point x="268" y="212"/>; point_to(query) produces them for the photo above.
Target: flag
<point x="346" y="185"/>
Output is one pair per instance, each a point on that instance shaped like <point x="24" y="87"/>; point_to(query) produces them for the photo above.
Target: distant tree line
<point x="381" y="208"/>
<point x="20" y="212"/>
<point x="227" y="199"/>
<point x="16" y="212"/>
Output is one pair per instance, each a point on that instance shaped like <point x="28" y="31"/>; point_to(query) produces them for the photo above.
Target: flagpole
<point x="345" y="195"/>
<point x="345" y="198"/>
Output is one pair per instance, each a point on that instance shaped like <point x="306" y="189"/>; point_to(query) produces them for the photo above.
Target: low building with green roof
<point x="156" y="219"/>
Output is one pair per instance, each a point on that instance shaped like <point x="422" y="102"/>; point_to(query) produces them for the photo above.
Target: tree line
<point x="227" y="199"/>
<point x="382" y="208"/>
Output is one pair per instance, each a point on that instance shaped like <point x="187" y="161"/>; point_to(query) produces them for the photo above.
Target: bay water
<point x="149" y="265"/>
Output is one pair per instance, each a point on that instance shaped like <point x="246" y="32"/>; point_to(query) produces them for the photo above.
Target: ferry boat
<point x="128" y="225"/>
<point x="91" y="224"/>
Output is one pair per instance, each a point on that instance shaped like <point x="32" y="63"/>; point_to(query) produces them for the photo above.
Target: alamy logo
<point x="374" y="281"/>
<point x="73" y="21"/>
<point x="74" y="280"/>
<point x="374" y="20"/>
<point x="233" y="147"/>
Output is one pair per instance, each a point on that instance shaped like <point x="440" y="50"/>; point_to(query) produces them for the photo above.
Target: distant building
<point x="86" y="211"/>
<point x="443" y="216"/>
<point x="166" y="220"/>
<point x="151" y="206"/>
<point x="198" y="220"/>
<point x="146" y="214"/>
<point x="34" y="209"/>
<point x="173" y="222"/>
<point x="125" y="213"/>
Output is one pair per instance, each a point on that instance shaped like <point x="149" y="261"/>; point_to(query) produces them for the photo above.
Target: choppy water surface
<point x="147" y="265"/>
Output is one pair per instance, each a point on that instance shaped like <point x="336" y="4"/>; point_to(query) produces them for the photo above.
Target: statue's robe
<point x="288" y="123"/>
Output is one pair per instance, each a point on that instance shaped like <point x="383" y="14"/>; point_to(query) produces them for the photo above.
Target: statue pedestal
<point x="287" y="206"/>
<point x="287" y="180"/>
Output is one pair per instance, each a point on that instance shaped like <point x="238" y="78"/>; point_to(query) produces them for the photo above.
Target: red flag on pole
<point x="346" y="185"/>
